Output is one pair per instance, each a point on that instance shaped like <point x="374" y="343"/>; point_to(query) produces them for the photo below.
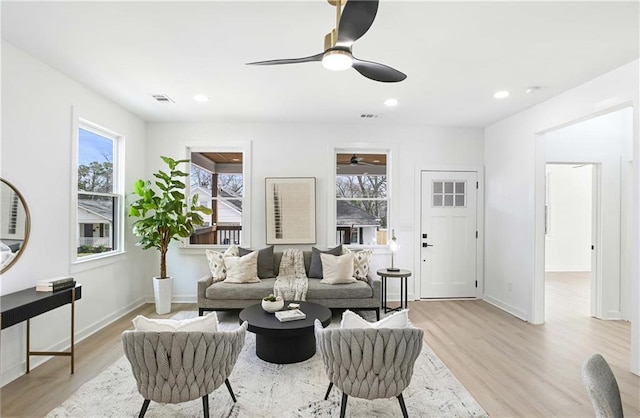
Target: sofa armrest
<point x="376" y="284"/>
<point x="203" y="284"/>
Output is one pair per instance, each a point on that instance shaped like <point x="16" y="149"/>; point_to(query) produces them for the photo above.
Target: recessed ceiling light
<point x="200" y="98"/>
<point x="501" y="94"/>
<point x="235" y="159"/>
<point x="391" y="102"/>
<point x="375" y="161"/>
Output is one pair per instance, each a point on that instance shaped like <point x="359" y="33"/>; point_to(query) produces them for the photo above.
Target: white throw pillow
<point x="242" y="269"/>
<point x="207" y="323"/>
<point x="337" y="269"/>
<point x="398" y="319"/>
<point x="361" y="263"/>
<point x="216" y="262"/>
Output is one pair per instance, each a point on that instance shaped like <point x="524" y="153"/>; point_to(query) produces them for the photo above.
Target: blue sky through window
<point x="93" y="147"/>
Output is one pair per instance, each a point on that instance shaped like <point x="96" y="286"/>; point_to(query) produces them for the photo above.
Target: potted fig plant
<point x="164" y="216"/>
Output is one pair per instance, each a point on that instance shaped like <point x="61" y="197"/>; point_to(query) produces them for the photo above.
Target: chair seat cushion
<point x="206" y="323"/>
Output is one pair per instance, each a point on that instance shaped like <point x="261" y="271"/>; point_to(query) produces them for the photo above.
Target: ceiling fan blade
<point x="317" y="57"/>
<point x="356" y="19"/>
<point x="378" y="72"/>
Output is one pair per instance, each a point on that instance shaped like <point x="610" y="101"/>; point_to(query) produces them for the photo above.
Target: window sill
<point x="89" y="263"/>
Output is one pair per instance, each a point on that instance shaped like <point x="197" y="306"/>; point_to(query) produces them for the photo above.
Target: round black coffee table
<point x="285" y="342"/>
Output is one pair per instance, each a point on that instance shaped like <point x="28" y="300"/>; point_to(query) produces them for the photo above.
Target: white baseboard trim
<point x="518" y="313"/>
<point x="18" y="369"/>
<point x="567" y="270"/>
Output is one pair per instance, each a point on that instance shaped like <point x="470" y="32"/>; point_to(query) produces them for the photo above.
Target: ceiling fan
<point x="354" y="21"/>
<point x="355" y="160"/>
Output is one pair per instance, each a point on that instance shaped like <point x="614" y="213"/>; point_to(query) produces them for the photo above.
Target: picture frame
<point x="290" y="210"/>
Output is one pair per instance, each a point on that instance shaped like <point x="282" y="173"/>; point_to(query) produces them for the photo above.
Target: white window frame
<point x="118" y="187"/>
<point x="358" y="148"/>
<point x="245" y="148"/>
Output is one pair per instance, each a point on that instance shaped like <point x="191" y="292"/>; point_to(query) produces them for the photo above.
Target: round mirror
<point x="15" y="225"/>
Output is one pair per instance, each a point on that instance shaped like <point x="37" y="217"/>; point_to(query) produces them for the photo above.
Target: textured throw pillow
<point x="337" y="269"/>
<point x="361" y="263"/>
<point x="242" y="269"/>
<point x="207" y="323"/>
<point x="216" y="262"/>
<point x="315" y="268"/>
<point x="265" y="261"/>
<point x="398" y="319"/>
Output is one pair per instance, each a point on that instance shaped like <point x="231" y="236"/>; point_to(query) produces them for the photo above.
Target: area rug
<point x="268" y="390"/>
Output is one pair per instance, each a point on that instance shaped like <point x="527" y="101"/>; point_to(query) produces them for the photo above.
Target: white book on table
<point x="290" y="315"/>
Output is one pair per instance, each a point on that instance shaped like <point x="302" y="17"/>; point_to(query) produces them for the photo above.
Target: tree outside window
<point x="361" y="199"/>
<point x="98" y="202"/>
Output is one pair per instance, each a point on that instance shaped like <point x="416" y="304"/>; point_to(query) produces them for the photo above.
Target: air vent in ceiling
<point x="162" y="98"/>
<point x="370" y="115"/>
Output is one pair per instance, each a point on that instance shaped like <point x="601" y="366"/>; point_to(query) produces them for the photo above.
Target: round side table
<point x="402" y="275"/>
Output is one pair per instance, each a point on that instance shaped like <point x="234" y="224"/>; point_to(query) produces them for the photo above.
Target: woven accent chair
<point x="369" y="363"/>
<point x="175" y="367"/>
<point x="602" y="387"/>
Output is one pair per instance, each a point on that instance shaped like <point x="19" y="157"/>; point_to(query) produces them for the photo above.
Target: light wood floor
<point x="512" y="368"/>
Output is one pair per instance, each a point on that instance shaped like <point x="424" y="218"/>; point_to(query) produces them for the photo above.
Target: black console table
<point x="26" y="304"/>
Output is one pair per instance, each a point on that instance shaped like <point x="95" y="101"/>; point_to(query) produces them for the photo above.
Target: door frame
<point x="595" y="280"/>
<point x="479" y="170"/>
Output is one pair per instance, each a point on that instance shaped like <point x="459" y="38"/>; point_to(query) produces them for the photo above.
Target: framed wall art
<point x="290" y="210"/>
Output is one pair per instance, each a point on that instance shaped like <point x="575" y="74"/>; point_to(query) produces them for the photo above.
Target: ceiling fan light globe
<point x="337" y="60"/>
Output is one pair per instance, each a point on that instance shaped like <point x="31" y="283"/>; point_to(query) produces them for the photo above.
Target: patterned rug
<point x="268" y="390"/>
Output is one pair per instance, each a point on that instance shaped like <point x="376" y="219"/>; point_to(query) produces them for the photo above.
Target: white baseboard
<point x="567" y="270"/>
<point x="518" y="313"/>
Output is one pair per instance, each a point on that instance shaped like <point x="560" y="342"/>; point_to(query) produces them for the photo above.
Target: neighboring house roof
<point x="236" y="203"/>
<point x="99" y="208"/>
<point x="349" y="214"/>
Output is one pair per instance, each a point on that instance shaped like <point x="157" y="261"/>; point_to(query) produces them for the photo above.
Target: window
<point x="217" y="179"/>
<point x="362" y="199"/>
<point x="99" y="200"/>
<point x="449" y="194"/>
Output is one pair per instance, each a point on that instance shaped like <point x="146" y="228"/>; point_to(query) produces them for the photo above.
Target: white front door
<point x="448" y="234"/>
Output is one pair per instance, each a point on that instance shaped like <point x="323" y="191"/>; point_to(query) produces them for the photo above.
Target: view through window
<point x="98" y="202"/>
<point x="216" y="177"/>
<point x="361" y="199"/>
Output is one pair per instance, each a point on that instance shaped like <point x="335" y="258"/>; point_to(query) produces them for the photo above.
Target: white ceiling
<point x="456" y="55"/>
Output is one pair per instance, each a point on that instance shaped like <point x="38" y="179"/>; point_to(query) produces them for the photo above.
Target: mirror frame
<point x="27" y="226"/>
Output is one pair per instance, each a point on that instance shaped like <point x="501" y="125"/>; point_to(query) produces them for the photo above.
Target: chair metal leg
<point x="326" y="395"/>
<point x="377" y="314"/>
<point x="343" y="405"/>
<point x="402" y="406"/>
<point x="145" y="405"/>
<point x="226" y="382"/>
<point x="205" y="405"/>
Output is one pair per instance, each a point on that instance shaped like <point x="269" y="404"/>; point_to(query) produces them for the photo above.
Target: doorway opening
<point x="570" y="215"/>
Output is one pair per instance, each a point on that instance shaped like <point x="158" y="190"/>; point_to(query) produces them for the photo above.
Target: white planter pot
<point x="162" y="292"/>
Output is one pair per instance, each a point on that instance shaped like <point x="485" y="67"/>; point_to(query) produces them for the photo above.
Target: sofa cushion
<point x="355" y="290"/>
<point x="315" y="269"/>
<point x="265" y="261"/>
<point x="337" y="269"/>
<point x="253" y="291"/>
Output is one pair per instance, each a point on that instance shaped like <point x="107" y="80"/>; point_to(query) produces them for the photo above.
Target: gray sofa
<point x="226" y="296"/>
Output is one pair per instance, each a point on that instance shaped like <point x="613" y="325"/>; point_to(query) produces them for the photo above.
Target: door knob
<point x="425" y="245"/>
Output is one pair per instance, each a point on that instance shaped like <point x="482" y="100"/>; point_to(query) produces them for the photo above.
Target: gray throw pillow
<point x="265" y="261"/>
<point x="315" y="270"/>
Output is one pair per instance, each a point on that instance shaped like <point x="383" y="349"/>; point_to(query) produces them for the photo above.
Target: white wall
<point x="605" y="140"/>
<point x="37" y="106"/>
<point x="568" y="241"/>
<point x="305" y="150"/>
<point x="514" y="162"/>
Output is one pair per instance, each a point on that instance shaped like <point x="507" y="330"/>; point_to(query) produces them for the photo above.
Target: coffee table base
<point x="285" y="350"/>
